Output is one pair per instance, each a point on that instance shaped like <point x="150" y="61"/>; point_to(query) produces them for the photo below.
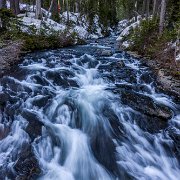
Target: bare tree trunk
<point x="38" y="9"/>
<point x="1" y="24"/>
<point x="67" y="7"/>
<point x="54" y="10"/>
<point x="76" y="7"/>
<point x="158" y="7"/>
<point x="50" y="9"/>
<point x="2" y="4"/>
<point x="33" y="5"/>
<point x="136" y="10"/>
<point x="147" y="9"/>
<point x="144" y="7"/>
<point x="17" y="8"/>
<point x="162" y="16"/>
<point x="154" y="7"/>
<point x="14" y="6"/>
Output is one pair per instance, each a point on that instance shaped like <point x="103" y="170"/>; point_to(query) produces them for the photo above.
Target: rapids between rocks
<point x="87" y="112"/>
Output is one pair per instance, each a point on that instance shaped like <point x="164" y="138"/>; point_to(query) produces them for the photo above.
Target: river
<point x="87" y="112"/>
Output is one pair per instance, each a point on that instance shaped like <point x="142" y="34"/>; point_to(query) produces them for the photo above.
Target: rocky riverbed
<point x="87" y="106"/>
<point x="167" y="80"/>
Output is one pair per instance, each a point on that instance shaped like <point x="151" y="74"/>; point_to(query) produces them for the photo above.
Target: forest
<point x="89" y="89"/>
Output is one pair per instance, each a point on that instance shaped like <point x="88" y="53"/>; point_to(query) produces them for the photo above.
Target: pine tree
<point x="2" y="4"/>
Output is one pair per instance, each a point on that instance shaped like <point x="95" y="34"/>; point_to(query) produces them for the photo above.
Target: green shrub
<point x="144" y="35"/>
<point x="5" y="16"/>
<point x="146" y="39"/>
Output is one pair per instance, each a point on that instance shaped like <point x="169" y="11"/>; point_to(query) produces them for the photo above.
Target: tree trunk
<point x="158" y="7"/>
<point x="136" y="10"/>
<point x="54" y="10"/>
<point x="38" y="9"/>
<point x="162" y="16"/>
<point x="76" y="7"/>
<point x="144" y="7"/>
<point x="154" y="7"/>
<point x="14" y="6"/>
<point x="50" y="9"/>
<point x="17" y="8"/>
<point x="67" y="8"/>
<point x="2" y="4"/>
<point x="147" y="9"/>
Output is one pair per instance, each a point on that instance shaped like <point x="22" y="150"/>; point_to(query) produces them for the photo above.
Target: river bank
<point x="10" y="55"/>
<point x="12" y="51"/>
<point x="167" y="80"/>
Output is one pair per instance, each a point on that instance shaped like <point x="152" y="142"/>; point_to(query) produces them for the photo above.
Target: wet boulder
<point x="27" y="166"/>
<point x="4" y="97"/>
<point x="34" y="124"/>
<point x="41" y="101"/>
<point x="146" y="105"/>
<point x="104" y="52"/>
<point x="112" y="66"/>
<point x="107" y="53"/>
<point x="89" y="60"/>
<point x="174" y="134"/>
<point x="60" y="79"/>
<point x="150" y="124"/>
<point x="147" y="77"/>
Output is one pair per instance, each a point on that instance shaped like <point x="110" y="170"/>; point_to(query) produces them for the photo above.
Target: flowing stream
<point x="87" y="112"/>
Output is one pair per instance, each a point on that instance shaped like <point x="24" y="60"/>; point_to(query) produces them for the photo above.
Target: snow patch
<point x="178" y="57"/>
<point x="126" y="31"/>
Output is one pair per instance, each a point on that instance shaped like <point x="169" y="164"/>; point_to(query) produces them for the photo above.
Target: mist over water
<point x="75" y="109"/>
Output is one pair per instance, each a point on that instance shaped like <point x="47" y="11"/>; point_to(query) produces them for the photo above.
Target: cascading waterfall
<point x="69" y="107"/>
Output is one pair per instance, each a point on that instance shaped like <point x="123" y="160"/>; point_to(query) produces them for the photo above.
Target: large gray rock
<point x="104" y="52"/>
<point x="146" y="105"/>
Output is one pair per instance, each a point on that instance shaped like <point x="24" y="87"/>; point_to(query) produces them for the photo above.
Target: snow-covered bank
<point x="77" y="23"/>
<point x="127" y="26"/>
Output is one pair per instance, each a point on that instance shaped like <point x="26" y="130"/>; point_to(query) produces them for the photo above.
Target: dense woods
<point x="109" y="11"/>
<point x="163" y="15"/>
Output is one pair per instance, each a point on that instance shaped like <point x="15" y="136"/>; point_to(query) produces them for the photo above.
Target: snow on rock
<point x="125" y="44"/>
<point x="77" y="23"/>
<point x="125" y="26"/>
<point x="80" y="25"/>
<point x="122" y="25"/>
<point x="82" y="32"/>
<point x="178" y="57"/>
<point x="126" y="31"/>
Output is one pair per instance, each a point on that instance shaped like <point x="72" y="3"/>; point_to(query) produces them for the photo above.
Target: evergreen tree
<point x="2" y="4"/>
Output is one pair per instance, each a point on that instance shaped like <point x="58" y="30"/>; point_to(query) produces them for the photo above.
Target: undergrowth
<point x="34" y="39"/>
